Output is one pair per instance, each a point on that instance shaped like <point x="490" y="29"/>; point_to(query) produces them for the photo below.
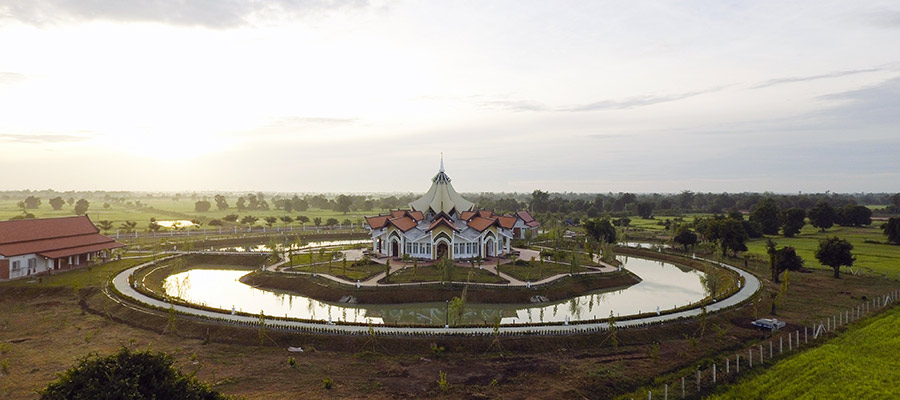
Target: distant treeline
<point x="565" y="204"/>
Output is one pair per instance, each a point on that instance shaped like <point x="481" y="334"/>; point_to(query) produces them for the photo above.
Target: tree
<point x="81" y="206"/>
<point x="127" y="375"/>
<point x="287" y="219"/>
<point x="231" y="217"/>
<point x="249" y="220"/>
<point x="32" y="202"/>
<point x="685" y="237"/>
<point x="128" y="226"/>
<point x="302" y="219"/>
<point x="202" y="206"/>
<point x="215" y="222"/>
<point x="271" y="221"/>
<point x="835" y="252"/>
<point x="57" y="203"/>
<point x="343" y="203"/>
<point x="331" y="222"/>
<point x="786" y="259"/>
<point x="772" y="251"/>
<point x="241" y="203"/>
<point x="71" y="201"/>
<point x="853" y="215"/>
<point x="793" y="220"/>
<point x="221" y="203"/>
<point x="317" y="221"/>
<point x="822" y="215"/>
<point x="892" y="230"/>
<point x="600" y="230"/>
<point x="105" y="225"/>
<point x="299" y="204"/>
<point x="153" y="226"/>
<point x="645" y="209"/>
<point x="729" y="233"/>
<point x="766" y="214"/>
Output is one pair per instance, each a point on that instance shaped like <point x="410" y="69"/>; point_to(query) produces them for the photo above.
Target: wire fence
<point x="704" y="380"/>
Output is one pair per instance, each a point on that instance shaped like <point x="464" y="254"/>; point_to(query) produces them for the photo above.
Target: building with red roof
<point x="443" y="223"/>
<point x="33" y="246"/>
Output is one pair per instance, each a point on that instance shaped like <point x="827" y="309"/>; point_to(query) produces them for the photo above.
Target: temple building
<point x="443" y="223"/>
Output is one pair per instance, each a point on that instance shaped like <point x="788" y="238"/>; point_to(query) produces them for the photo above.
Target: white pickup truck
<point x="771" y="324"/>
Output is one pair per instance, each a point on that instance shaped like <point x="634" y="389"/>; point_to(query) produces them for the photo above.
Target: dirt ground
<point x="45" y="330"/>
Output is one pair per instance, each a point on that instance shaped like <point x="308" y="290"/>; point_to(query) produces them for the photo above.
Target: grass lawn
<point x="860" y="364"/>
<point x="535" y="271"/>
<point x="874" y="257"/>
<point x="353" y="271"/>
<point x="163" y="208"/>
<point x="92" y="276"/>
<point x="432" y="273"/>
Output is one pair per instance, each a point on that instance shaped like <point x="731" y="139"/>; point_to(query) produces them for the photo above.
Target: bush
<point x="127" y="375"/>
<point x="327" y="383"/>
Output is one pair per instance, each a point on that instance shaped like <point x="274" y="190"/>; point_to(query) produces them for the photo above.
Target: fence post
<point x="762" y="359"/>
<point x="798" y="339"/>
<point x="790" y="340"/>
<point x="666" y="392"/>
<point x="737" y="364"/>
<point x="805" y="336"/>
<point x="750" y="352"/>
<point x="698" y="381"/>
<point x="727" y="366"/>
<point x="780" y="344"/>
<point x="714" y="373"/>
<point x="682" y="387"/>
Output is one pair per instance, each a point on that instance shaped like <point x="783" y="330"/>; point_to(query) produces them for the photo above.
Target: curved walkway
<point x="749" y="288"/>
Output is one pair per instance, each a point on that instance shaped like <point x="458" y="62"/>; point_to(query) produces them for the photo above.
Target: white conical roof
<point x="441" y="197"/>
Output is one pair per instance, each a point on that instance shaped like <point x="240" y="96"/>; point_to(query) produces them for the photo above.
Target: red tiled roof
<point x="525" y="216"/>
<point x="480" y="224"/>
<point x="81" y="249"/>
<point x="532" y="224"/>
<point x="506" y="221"/>
<point x="398" y="213"/>
<point x="25" y="230"/>
<point x="441" y="221"/>
<point x="417" y="215"/>
<point x="377" y="221"/>
<point x="50" y="236"/>
<point x="467" y="215"/>
<point x="485" y="213"/>
<point x="404" y="223"/>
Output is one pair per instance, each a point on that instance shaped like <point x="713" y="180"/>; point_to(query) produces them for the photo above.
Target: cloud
<point x="209" y="13"/>
<point x="9" y="78"/>
<point x="638" y="101"/>
<point x="513" y="105"/>
<point x="42" y="138"/>
<point x="281" y="122"/>
<point x="780" y="81"/>
<point x="884" y="18"/>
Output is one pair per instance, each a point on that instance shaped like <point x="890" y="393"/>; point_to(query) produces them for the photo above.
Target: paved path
<point x="749" y="288"/>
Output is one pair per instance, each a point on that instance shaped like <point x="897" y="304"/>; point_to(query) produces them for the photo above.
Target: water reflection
<point x="664" y="286"/>
<point x="295" y="246"/>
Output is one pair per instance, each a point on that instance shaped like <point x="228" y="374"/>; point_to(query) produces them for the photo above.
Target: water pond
<point x="310" y="245"/>
<point x="664" y="286"/>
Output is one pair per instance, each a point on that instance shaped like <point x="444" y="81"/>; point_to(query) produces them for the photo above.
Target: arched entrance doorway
<point x="395" y="248"/>
<point x="441" y="250"/>
<point x="489" y="248"/>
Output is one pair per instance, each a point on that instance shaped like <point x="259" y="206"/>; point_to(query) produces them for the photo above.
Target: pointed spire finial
<point x="442" y="161"/>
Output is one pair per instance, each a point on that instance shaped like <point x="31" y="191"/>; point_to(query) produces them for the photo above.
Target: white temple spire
<point x="442" y="161"/>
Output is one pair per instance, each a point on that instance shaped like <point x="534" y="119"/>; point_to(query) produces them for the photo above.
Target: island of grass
<point x="351" y="271"/>
<point x="324" y="289"/>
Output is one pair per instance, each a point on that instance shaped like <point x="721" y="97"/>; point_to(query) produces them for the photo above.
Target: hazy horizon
<point x="334" y="96"/>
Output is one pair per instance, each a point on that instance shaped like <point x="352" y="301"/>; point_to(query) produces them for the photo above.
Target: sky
<point x="365" y="96"/>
